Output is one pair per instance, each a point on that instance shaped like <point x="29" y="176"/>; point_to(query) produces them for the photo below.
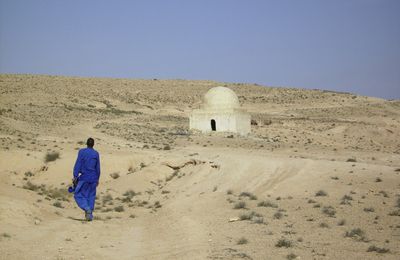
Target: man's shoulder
<point x="88" y="151"/>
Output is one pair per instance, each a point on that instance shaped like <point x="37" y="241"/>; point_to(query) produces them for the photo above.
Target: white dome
<point x="221" y="98"/>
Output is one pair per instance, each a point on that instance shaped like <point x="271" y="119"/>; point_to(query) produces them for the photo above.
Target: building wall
<point x="233" y="121"/>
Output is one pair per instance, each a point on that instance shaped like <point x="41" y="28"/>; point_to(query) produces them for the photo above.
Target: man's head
<point x="90" y="142"/>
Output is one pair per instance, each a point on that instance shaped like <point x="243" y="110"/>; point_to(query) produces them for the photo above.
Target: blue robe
<point x="85" y="195"/>
<point x="87" y="171"/>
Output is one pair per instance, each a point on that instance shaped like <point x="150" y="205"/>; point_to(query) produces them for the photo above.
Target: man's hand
<point x="74" y="181"/>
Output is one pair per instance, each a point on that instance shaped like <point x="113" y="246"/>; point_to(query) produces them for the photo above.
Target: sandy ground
<point x="318" y="177"/>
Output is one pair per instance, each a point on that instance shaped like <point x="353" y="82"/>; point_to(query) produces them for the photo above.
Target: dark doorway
<point x="213" y="125"/>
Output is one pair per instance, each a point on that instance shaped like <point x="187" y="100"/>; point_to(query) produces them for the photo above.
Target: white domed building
<point x="220" y="112"/>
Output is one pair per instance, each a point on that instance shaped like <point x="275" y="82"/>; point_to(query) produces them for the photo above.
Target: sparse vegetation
<point x="395" y="213"/>
<point x="291" y="256"/>
<point x="378" y="179"/>
<point x="284" y="243"/>
<point x="114" y="175"/>
<point x="58" y="204"/>
<point x="130" y="194"/>
<point x="119" y="208"/>
<point x="356" y="234"/>
<point x="369" y="209"/>
<point x="51" y="156"/>
<point x="6" y="235"/>
<point x="30" y="186"/>
<point x="278" y="215"/>
<point x="379" y="250"/>
<point x="242" y="241"/>
<point x="157" y="205"/>
<point x="346" y="200"/>
<point x="107" y="199"/>
<point x="321" y="193"/>
<point x="323" y="225"/>
<point x="342" y="222"/>
<point x="329" y="211"/>
<point x="253" y="216"/>
<point x="240" y="205"/>
<point x="384" y="193"/>
<point x="229" y="192"/>
<point x="267" y="204"/>
<point x="250" y="195"/>
<point x="28" y="174"/>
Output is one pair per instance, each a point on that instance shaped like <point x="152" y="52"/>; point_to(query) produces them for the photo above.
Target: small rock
<point x="234" y="219"/>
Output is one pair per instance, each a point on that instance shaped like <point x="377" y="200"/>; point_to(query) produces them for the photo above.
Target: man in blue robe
<point x="86" y="178"/>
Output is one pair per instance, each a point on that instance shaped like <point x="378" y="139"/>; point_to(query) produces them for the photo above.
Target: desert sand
<point x="317" y="178"/>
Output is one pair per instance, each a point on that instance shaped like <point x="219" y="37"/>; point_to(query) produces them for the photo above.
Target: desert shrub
<point x="395" y="213"/>
<point x="51" y="156"/>
<point x="323" y="225"/>
<point x="249" y="216"/>
<point x="130" y="194"/>
<point x="321" y="193"/>
<point x="380" y="250"/>
<point x="284" y="243"/>
<point x="165" y="192"/>
<point x="278" y="215"/>
<point x="242" y="241"/>
<point x="58" y="204"/>
<point x="311" y="201"/>
<point x="317" y="205"/>
<point x="132" y="216"/>
<point x="342" y="222"/>
<point x="291" y="256"/>
<point x="346" y="200"/>
<point x="329" y="210"/>
<point x="384" y="193"/>
<point x="97" y="217"/>
<point x="28" y="174"/>
<point x="56" y="193"/>
<point x="119" y="208"/>
<point x="240" y="205"/>
<point x="107" y="198"/>
<point x="229" y="192"/>
<point x="369" y="209"/>
<point x="157" y="205"/>
<point x="378" y="179"/>
<point x="267" y="204"/>
<point x="6" y="235"/>
<point x="357" y="234"/>
<point x="351" y="160"/>
<point x="257" y="220"/>
<point x="114" y="175"/>
<point x="335" y="178"/>
<point x="249" y="195"/>
<point x="30" y="186"/>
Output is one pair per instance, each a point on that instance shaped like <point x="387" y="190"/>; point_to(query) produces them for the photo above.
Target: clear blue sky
<point x="343" y="45"/>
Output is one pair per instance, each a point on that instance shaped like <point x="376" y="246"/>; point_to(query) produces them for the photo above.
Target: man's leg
<point x="81" y="195"/>
<point x="92" y="195"/>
